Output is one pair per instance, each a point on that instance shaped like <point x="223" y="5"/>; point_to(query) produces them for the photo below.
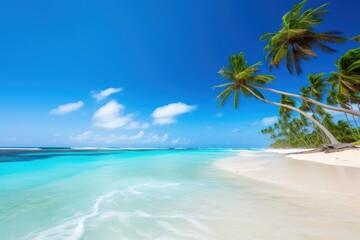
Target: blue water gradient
<point x="147" y="194"/>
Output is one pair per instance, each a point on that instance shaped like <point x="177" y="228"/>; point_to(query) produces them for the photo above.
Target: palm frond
<point x="267" y="36"/>
<point x="297" y="39"/>
<point x="223" y="85"/>
<point x="224" y="95"/>
<point x="262" y="79"/>
<point x="257" y="92"/>
<point x="227" y="74"/>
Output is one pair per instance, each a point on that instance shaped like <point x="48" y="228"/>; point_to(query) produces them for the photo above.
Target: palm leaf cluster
<point x="304" y="119"/>
<point x="296" y="131"/>
<point x="297" y="38"/>
<point x="240" y="76"/>
<point x="346" y="81"/>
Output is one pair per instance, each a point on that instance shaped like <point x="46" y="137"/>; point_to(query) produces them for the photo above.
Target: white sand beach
<point x="337" y="172"/>
<point x="347" y="158"/>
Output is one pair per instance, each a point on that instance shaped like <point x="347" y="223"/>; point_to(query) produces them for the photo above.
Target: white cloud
<point x="266" y="121"/>
<point x="180" y="141"/>
<point x="167" y="114"/>
<point x="175" y="141"/>
<point x="135" y="125"/>
<point x="82" y="136"/>
<point x="269" y="120"/>
<point x="154" y="138"/>
<point x="67" y="108"/>
<point x="137" y="136"/>
<point x="105" y="93"/>
<point x="90" y="137"/>
<point x="110" y="116"/>
<point x="219" y="114"/>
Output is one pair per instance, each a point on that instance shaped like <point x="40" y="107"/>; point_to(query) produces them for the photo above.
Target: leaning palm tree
<point x="241" y="79"/>
<point x="347" y="79"/>
<point x="306" y="98"/>
<point x="297" y="38"/>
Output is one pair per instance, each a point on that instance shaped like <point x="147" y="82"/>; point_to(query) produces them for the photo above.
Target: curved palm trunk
<point x="349" y="111"/>
<point x="329" y="135"/>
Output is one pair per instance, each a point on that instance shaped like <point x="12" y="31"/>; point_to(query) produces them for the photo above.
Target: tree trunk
<point x="329" y="135"/>
<point x="310" y="100"/>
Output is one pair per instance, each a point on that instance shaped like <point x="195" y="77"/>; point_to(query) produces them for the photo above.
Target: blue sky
<point x="159" y="59"/>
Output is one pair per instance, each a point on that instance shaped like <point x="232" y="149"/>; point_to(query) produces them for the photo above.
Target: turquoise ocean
<point x="152" y="194"/>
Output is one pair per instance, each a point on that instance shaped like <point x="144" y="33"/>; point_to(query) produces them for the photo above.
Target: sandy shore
<point x="338" y="172"/>
<point x="348" y="158"/>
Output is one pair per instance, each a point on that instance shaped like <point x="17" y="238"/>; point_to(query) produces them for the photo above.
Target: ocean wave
<point x="72" y="229"/>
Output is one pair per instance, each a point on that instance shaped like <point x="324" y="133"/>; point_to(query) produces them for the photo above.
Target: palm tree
<point x="291" y="122"/>
<point x="241" y="79"/>
<point x="335" y="98"/>
<point x="317" y="86"/>
<point x="307" y="98"/>
<point x="285" y="112"/>
<point x="347" y="79"/>
<point x="297" y="39"/>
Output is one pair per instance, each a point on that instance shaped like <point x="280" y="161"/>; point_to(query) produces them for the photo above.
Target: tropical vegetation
<point x="305" y="119"/>
<point x="297" y="39"/>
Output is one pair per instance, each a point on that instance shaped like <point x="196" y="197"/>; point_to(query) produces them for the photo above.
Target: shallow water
<point x="158" y="194"/>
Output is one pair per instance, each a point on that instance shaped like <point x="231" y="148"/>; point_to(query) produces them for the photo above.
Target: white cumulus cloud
<point x="105" y="93"/>
<point x="67" y="108"/>
<point x="111" y="116"/>
<point x="167" y="114"/>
